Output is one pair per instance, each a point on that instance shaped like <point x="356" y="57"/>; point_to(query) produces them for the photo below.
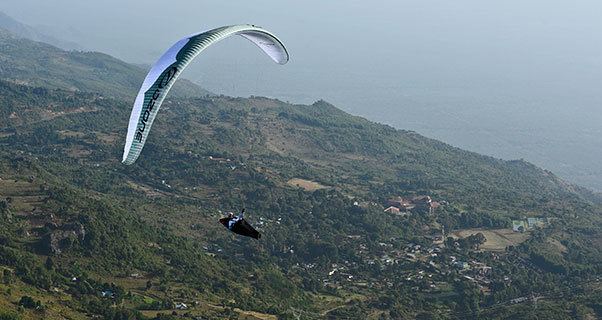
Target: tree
<point x="7" y="276"/>
<point x="476" y="240"/>
<point x="49" y="264"/>
<point x="450" y="242"/>
<point x="29" y="303"/>
<point x="4" y="208"/>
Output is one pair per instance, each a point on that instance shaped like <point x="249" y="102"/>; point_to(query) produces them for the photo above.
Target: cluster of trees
<point x="473" y="241"/>
<point x="30" y="303"/>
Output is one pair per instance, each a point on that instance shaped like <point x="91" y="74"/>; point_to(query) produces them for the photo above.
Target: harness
<point x="233" y="221"/>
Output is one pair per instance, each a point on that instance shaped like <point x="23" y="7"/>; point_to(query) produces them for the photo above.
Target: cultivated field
<point x="24" y="196"/>
<point x="497" y="239"/>
<point x="305" y="184"/>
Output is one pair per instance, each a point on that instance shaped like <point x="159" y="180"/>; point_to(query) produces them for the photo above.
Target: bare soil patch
<point x="306" y="185"/>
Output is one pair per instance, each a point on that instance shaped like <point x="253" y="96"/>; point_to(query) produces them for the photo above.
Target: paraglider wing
<point x="164" y="73"/>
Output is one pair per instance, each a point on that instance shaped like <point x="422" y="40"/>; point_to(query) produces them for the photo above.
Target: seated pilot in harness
<point x="239" y="225"/>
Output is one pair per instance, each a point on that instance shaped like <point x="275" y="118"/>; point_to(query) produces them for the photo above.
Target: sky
<point x="512" y="79"/>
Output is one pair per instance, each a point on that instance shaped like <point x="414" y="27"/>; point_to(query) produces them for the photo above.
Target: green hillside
<point x="34" y="63"/>
<point x="83" y="236"/>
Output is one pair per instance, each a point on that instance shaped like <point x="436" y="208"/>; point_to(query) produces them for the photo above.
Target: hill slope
<point x="157" y="219"/>
<point x="39" y="64"/>
<point x="86" y="236"/>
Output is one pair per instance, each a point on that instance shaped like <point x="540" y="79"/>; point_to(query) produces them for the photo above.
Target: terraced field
<point x="24" y="196"/>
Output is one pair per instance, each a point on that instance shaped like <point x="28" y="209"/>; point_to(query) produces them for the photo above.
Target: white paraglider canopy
<point x="167" y="69"/>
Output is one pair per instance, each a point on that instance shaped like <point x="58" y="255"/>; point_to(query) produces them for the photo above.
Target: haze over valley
<point x="510" y="79"/>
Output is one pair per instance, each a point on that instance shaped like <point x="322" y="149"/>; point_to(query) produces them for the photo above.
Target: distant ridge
<point x="35" y="63"/>
<point x="22" y="30"/>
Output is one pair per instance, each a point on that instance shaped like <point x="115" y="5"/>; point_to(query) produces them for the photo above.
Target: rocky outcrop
<point x="62" y="237"/>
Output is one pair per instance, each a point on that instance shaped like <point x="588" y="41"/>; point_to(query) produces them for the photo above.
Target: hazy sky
<point x="512" y="78"/>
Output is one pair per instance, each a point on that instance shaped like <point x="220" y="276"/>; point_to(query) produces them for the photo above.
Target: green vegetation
<point x="82" y="235"/>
